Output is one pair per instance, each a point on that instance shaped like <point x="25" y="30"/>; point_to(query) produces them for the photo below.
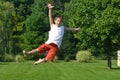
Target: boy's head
<point x="58" y="20"/>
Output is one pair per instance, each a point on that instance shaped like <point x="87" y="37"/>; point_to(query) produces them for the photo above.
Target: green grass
<point x="96" y="70"/>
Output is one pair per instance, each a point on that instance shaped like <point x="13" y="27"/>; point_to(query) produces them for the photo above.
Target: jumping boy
<point x="54" y="41"/>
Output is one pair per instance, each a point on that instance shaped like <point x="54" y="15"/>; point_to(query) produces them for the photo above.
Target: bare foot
<point x="39" y="61"/>
<point x="24" y="53"/>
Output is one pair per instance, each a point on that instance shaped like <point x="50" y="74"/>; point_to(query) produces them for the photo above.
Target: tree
<point x="36" y="25"/>
<point x="22" y="10"/>
<point x="7" y="13"/>
<point x="68" y="47"/>
<point x="22" y="7"/>
<point x="100" y="24"/>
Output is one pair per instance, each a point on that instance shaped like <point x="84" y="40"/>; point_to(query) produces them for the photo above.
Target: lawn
<point x="96" y="70"/>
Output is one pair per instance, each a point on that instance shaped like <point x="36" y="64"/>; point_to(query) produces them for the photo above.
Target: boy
<point x="54" y="41"/>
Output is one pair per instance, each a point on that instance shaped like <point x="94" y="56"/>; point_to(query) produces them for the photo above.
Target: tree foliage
<point x="36" y="25"/>
<point x="22" y="7"/>
<point x="24" y="24"/>
<point x="7" y="13"/>
<point x="99" y="23"/>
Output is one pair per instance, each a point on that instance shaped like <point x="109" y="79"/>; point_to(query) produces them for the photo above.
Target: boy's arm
<point x="72" y="29"/>
<point x="50" y="14"/>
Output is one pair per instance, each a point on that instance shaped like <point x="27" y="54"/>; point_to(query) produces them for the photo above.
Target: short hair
<point x="58" y="17"/>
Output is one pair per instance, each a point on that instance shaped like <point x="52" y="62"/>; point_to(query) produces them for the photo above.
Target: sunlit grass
<point x="95" y="70"/>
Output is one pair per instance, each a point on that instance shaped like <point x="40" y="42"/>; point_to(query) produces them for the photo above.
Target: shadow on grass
<point x="117" y="68"/>
<point x="74" y="61"/>
<point x="4" y="63"/>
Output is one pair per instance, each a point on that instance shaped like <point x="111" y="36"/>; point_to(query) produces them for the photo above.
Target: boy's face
<point x="58" y="21"/>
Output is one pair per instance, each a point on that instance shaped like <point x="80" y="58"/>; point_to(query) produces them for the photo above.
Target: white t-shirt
<point x="55" y="35"/>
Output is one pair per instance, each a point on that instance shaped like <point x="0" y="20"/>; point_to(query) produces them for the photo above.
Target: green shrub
<point x="83" y="56"/>
<point x="19" y="58"/>
<point x="67" y="59"/>
<point x="8" y="58"/>
<point x="55" y="59"/>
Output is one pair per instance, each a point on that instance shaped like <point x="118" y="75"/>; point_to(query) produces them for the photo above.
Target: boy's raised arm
<point x="50" y="13"/>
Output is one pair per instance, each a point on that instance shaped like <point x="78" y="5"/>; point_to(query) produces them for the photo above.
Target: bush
<point x="55" y="59"/>
<point x="8" y="58"/>
<point x="67" y="59"/>
<point x="83" y="56"/>
<point x="19" y="58"/>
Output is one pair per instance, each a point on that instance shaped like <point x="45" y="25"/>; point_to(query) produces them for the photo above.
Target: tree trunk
<point x="109" y="49"/>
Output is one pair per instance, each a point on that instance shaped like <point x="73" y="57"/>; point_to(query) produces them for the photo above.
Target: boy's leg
<point x="40" y="61"/>
<point x="41" y="49"/>
<point x="51" y="53"/>
<point x="30" y="52"/>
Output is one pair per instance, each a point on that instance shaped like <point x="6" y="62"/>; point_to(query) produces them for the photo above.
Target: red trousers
<point x="51" y="48"/>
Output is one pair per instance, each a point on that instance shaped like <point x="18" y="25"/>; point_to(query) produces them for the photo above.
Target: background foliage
<point x="99" y="22"/>
<point x="24" y="25"/>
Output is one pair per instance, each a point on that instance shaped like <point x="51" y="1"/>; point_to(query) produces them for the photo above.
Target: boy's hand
<point x="50" y="6"/>
<point x="77" y="29"/>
